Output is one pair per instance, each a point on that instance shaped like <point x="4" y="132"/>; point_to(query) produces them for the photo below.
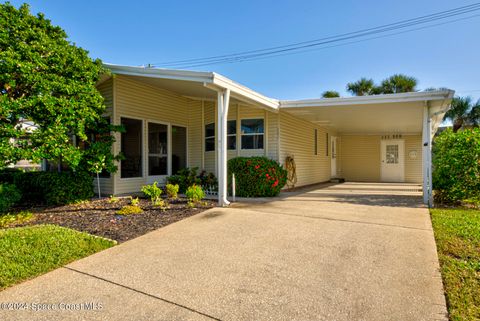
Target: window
<point x="232" y="134"/>
<point x="131" y="148"/>
<point x="210" y="137"/>
<point x="157" y="149"/>
<point x="179" y="148"/>
<point x="252" y="133"/>
<point x="315" y="141"/>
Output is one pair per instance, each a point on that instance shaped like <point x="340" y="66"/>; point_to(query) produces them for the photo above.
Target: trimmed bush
<point x="52" y="188"/>
<point x="456" y="166"/>
<point x="256" y="176"/>
<point x="9" y="196"/>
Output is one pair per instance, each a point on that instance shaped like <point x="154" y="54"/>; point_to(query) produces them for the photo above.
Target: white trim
<point x="253" y="134"/>
<point x="368" y="100"/>
<point x="142" y="146"/>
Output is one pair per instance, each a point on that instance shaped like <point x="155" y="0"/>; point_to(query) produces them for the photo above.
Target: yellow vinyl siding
<point x="413" y="167"/>
<point x="141" y="101"/>
<point x="361" y="158"/>
<point x="297" y="140"/>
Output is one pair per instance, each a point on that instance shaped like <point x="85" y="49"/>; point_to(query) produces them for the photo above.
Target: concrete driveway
<point x="341" y="252"/>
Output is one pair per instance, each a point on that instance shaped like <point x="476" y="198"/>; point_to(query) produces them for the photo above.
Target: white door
<point x="393" y="165"/>
<point x="333" y="155"/>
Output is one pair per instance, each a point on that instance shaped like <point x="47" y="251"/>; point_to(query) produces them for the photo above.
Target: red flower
<point x="275" y="184"/>
<point x="257" y="166"/>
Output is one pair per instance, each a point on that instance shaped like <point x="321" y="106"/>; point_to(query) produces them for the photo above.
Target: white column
<point x="222" y="114"/>
<point x="426" y="157"/>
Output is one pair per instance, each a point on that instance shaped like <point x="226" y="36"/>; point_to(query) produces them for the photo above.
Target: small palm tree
<point x="361" y="87"/>
<point x="330" y="94"/>
<point x="398" y="83"/>
<point x="463" y="112"/>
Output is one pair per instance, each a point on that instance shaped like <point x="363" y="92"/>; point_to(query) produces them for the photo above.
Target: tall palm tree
<point x="330" y="94"/>
<point x="361" y="87"/>
<point x="398" y="83"/>
<point x="463" y="112"/>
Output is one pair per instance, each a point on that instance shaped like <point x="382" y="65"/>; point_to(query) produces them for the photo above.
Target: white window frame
<point x="252" y="134"/>
<point x="232" y="135"/>
<point x="142" y="149"/>
<point x="209" y="137"/>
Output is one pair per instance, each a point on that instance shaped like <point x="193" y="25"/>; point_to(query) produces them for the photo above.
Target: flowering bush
<point x="256" y="176"/>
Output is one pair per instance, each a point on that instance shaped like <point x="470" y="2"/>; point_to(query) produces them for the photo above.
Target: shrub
<point x="153" y="192"/>
<point x="208" y="181"/>
<point x="172" y="190"/>
<point x="256" y="176"/>
<point x="129" y="210"/>
<point x="195" y="193"/>
<point x="185" y="178"/>
<point x="15" y="218"/>
<point x="51" y="188"/>
<point x="9" y="196"/>
<point x="456" y="166"/>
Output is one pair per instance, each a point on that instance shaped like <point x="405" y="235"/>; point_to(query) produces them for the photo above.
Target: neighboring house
<point x="26" y="165"/>
<point x="176" y="119"/>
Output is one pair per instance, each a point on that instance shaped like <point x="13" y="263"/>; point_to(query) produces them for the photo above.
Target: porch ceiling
<point x="382" y="114"/>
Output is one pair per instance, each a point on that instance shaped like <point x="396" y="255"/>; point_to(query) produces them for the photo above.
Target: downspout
<point x="223" y="98"/>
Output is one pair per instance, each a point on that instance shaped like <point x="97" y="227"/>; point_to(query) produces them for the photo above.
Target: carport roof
<point x="390" y="113"/>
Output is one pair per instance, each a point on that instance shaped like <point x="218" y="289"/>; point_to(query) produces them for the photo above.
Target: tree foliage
<point x="463" y="112"/>
<point x="456" y="165"/>
<point x="49" y="81"/>
<point x="361" y="87"/>
<point x="330" y="94"/>
<point x="398" y="83"/>
<point x="394" y="84"/>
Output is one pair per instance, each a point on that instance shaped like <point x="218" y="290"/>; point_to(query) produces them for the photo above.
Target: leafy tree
<point x="330" y="94"/>
<point x="46" y="79"/>
<point x="398" y="83"/>
<point x="361" y="87"/>
<point x="463" y="112"/>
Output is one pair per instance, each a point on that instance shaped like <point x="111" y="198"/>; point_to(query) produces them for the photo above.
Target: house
<point x="177" y="118"/>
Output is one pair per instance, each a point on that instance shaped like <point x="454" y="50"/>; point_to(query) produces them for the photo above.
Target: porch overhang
<point x="194" y="84"/>
<point x="378" y="114"/>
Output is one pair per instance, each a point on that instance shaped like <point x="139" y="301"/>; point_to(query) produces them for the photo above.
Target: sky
<point x="151" y="32"/>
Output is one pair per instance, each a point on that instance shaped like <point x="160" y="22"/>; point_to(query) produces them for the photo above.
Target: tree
<point x="330" y="94"/>
<point x="463" y="112"/>
<point x="46" y="79"/>
<point x="398" y="83"/>
<point x="361" y="87"/>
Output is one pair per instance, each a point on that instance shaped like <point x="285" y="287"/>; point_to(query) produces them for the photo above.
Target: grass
<point x="457" y="233"/>
<point x="26" y="252"/>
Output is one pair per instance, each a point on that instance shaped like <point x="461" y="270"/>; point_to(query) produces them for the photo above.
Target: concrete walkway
<point x="342" y="252"/>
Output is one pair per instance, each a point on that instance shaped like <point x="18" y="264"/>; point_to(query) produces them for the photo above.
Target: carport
<point x="382" y="123"/>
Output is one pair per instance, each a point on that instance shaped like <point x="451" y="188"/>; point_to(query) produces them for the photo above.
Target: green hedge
<point x="9" y="196"/>
<point x="257" y="176"/>
<point x="50" y="188"/>
<point x="456" y="166"/>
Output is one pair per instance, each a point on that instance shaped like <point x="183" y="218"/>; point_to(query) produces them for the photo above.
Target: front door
<point x="333" y="153"/>
<point x="392" y="166"/>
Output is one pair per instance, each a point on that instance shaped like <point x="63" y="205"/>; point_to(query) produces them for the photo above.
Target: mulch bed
<point x="98" y="217"/>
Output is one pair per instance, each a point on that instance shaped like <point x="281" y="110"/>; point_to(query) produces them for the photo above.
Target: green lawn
<point x="457" y="232"/>
<point x="26" y="252"/>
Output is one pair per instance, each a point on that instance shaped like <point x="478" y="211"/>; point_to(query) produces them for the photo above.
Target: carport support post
<point x="427" y="157"/>
<point x="222" y="115"/>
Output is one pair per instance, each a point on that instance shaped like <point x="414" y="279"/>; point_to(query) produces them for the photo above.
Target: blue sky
<point x="142" y="32"/>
